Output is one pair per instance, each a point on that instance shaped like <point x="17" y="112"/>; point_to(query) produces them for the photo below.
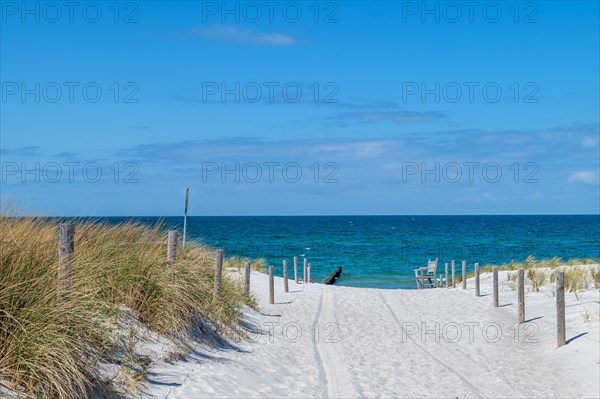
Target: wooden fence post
<point x="464" y="274"/>
<point x="218" y="274"/>
<point x="495" y="285"/>
<point x="172" y="247"/>
<point x="305" y="271"/>
<point x="296" y="269"/>
<point x="477" y="292"/>
<point x="560" y="309"/>
<point x="285" y="277"/>
<point x="247" y="278"/>
<point x="308" y="273"/>
<point x="66" y="260"/>
<point x="447" y="281"/>
<point x="453" y="274"/>
<point x="271" y="286"/>
<point x="521" y="285"/>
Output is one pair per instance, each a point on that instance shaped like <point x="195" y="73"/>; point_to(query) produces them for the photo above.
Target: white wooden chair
<point x="427" y="273"/>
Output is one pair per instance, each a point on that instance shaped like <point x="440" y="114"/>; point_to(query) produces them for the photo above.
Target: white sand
<point x="371" y="343"/>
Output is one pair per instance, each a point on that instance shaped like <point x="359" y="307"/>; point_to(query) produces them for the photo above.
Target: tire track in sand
<point x="338" y="380"/>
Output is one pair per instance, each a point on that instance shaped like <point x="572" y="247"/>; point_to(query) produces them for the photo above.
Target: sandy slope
<point x="328" y="341"/>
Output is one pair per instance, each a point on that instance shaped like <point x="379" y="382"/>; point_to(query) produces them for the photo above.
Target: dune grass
<point x="536" y="278"/>
<point x="50" y="348"/>
<point x="576" y="277"/>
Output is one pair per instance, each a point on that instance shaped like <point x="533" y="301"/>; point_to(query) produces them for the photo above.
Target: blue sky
<point x="359" y="108"/>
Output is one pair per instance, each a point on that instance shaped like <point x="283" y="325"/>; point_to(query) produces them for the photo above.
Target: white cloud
<point x="590" y="142"/>
<point x="232" y="34"/>
<point x="585" y="177"/>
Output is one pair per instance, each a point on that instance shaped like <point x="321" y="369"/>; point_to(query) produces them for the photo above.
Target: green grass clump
<point x="537" y="278"/>
<point x="513" y="281"/>
<point x="596" y="276"/>
<point x="50" y="348"/>
<point x="575" y="280"/>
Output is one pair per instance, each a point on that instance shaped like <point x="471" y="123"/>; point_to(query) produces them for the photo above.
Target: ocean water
<point x="382" y="251"/>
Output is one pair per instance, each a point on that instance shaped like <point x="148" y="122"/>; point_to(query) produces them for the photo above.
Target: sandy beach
<point x="341" y="342"/>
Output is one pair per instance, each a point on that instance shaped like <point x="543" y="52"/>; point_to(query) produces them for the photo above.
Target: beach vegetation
<point x="50" y="348"/>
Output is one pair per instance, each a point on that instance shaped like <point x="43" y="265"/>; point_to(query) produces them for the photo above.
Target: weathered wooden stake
<point x="172" y="247"/>
<point x="285" y="277"/>
<point x="447" y="281"/>
<point x="218" y="274"/>
<point x="271" y="286"/>
<point x="308" y="273"/>
<point x="247" y="278"/>
<point x="521" y="291"/>
<point x="66" y="260"/>
<point x="477" y="292"/>
<point x="464" y="274"/>
<point x="560" y="309"/>
<point x="296" y="269"/>
<point x="453" y="274"/>
<point x="305" y="271"/>
<point x="495" y="285"/>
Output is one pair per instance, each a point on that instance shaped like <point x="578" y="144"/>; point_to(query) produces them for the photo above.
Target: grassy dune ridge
<point x="50" y="348"/>
<point x="579" y="273"/>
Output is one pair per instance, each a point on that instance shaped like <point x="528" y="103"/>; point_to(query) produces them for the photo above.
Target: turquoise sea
<point x="382" y="251"/>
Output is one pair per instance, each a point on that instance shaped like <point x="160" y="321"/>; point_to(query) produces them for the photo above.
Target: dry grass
<point x="49" y="348"/>
<point x="575" y="280"/>
<point x="238" y="263"/>
<point x="513" y="281"/>
<point x="537" y="278"/>
<point x="596" y="276"/>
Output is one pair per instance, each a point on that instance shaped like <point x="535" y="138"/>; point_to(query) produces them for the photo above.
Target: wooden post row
<point x="218" y="274"/>
<point x="66" y="260"/>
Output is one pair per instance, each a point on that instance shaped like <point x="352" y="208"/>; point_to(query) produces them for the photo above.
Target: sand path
<point x="341" y="342"/>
